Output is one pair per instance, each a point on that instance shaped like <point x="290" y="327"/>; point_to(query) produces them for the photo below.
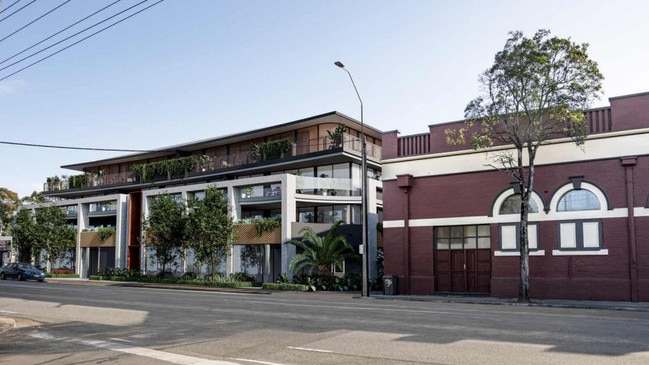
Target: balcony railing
<point x="349" y="144"/>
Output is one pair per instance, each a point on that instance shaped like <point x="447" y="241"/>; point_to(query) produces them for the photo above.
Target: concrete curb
<point x="550" y="303"/>
<point x="135" y="284"/>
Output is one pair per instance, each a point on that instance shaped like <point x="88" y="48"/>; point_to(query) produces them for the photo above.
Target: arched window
<point x="512" y="205"/>
<point x="575" y="200"/>
<point x="579" y="212"/>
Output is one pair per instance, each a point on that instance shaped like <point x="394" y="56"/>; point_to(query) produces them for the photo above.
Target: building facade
<point x="301" y="173"/>
<point x="451" y="222"/>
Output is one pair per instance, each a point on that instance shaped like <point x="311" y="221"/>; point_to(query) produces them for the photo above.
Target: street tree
<point x="9" y="203"/>
<point x="165" y="229"/>
<point x="209" y="228"/>
<point x="535" y="91"/>
<point x="25" y="235"/>
<point x="55" y="235"/>
<point x="320" y="252"/>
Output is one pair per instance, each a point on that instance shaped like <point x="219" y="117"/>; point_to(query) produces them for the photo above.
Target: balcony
<point x="194" y="165"/>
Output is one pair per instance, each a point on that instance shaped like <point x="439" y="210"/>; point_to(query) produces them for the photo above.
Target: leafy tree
<point x="54" y="233"/>
<point x="320" y="252"/>
<point x="535" y="91"/>
<point x="9" y="203"/>
<point x="35" y="198"/>
<point x="165" y="229"/>
<point x="209" y="228"/>
<point x="25" y="235"/>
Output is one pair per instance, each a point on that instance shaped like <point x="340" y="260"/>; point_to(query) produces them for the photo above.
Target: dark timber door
<point x="463" y="259"/>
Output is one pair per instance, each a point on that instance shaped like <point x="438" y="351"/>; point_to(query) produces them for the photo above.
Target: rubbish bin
<point x="390" y="285"/>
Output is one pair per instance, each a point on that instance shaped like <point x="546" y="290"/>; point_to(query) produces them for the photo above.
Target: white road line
<point x="139" y="351"/>
<point x="10" y="312"/>
<point x="257" y="361"/>
<point x="308" y="349"/>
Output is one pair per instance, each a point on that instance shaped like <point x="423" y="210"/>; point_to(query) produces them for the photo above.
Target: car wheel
<point x="20" y="277"/>
<point x="41" y="280"/>
<point x="3" y="276"/>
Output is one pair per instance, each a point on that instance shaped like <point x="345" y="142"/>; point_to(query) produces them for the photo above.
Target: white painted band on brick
<point x="509" y="218"/>
<point x="517" y="253"/>
<point x="603" y="252"/>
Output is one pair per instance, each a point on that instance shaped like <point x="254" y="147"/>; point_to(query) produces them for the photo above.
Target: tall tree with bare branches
<point x="535" y="91"/>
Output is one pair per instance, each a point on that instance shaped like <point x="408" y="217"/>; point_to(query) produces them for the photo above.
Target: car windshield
<point x="26" y="266"/>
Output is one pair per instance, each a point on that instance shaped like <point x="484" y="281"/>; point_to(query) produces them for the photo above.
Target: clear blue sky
<point x="193" y="69"/>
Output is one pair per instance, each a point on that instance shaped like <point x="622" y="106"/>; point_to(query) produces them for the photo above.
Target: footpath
<point x="10" y="323"/>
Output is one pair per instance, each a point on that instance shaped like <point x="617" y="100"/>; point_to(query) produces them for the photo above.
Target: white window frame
<point x="533" y="240"/>
<point x="580" y="245"/>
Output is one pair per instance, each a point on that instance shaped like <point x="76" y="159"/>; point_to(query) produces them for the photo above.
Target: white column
<point x="143" y="248"/>
<point x="82" y="223"/>
<point x="267" y="273"/>
<point x="372" y="220"/>
<point x="121" y="231"/>
<point x="235" y="213"/>
<point x="289" y="215"/>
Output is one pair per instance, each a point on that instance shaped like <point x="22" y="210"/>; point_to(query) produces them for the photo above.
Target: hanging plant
<point x="77" y="181"/>
<point x="177" y="168"/>
<point x="271" y="150"/>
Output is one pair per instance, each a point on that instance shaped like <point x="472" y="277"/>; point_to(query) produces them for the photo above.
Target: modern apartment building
<point x="451" y="222"/>
<point x="306" y="173"/>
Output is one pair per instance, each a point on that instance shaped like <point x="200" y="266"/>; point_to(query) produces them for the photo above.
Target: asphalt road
<point x="93" y="324"/>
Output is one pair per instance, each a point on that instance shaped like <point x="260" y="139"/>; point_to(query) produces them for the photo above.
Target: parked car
<point x="21" y="271"/>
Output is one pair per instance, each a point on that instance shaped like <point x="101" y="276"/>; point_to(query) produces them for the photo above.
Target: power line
<point x="26" y="5"/>
<point x="73" y="148"/>
<point x="9" y="7"/>
<point x="60" y="31"/>
<point x="35" y="20"/>
<point x="74" y="35"/>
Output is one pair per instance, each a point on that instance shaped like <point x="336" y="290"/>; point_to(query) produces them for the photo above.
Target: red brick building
<point x="450" y="222"/>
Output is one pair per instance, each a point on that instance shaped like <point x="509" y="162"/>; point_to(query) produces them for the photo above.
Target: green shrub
<point x="239" y="276"/>
<point x="105" y="233"/>
<point x="330" y="282"/>
<point x="95" y="277"/>
<point x="285" y="286"/>
<point x="61" y="275"/>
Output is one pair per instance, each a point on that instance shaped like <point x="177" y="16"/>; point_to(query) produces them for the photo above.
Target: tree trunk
<point x="525" y="188"/>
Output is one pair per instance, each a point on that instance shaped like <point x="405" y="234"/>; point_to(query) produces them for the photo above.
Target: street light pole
<point x="365" y="261"/>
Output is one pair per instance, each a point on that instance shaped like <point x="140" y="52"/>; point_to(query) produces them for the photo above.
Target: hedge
<point x="285" y="286"/>
<point x="48" y="275"/>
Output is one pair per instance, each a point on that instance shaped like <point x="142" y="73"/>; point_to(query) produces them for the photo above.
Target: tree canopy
<point x="54" y="232"/>
<point x="536" y="90"/>
<point x="24" y="232"/>
<point x="165" y="229"/>
<point x="9" y="203"/>
<point x="45" y="230"/>
<point x="209" y="228"/>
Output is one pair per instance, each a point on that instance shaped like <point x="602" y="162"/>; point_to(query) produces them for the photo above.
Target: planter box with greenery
<point x="263" y="231"/>
<point x="102" y="237"/>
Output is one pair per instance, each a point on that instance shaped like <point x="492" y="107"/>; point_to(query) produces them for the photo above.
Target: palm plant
<point x="320" y="252"/>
